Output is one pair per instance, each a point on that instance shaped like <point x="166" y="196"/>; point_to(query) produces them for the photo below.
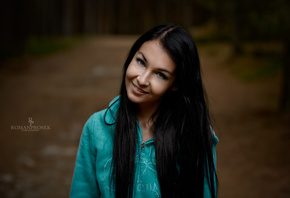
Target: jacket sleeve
<point x="206" y="193"/>
<point x="84" y="184"/>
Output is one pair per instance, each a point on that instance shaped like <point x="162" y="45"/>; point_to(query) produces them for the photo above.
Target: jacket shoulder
<point x="102" y="123"/>
<point x="106" y="116"/>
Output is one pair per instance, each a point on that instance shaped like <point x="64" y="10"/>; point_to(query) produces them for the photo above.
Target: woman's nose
<point x="143" y="79"/>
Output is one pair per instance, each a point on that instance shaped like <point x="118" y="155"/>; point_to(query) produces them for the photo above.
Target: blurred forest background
<point x="29" y="25"/>
<point x="61" y="60"/>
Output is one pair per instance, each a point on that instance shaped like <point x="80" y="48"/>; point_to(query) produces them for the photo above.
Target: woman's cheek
<point x="157" y="86"/>
<point x="133" y="70"/>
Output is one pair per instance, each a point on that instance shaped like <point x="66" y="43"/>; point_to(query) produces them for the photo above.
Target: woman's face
<point x="150" y="74"/>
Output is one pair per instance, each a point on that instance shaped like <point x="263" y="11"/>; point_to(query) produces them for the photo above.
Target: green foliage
<point x="266" y="71"/>
<point x="44" y="46"/>
<point x="266" y="21"/>
<point x="209" y="4"/>
<point x="257" y="68"/>
<point x="253" y="20"/>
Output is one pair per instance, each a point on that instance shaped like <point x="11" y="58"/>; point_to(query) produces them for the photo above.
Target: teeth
<point x="139" y="89"/>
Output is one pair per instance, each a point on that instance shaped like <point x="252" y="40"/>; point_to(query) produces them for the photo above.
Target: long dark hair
<point x="182" y="130"/>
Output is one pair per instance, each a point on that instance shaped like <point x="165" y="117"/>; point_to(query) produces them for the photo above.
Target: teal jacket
<point x="94" y="158"/>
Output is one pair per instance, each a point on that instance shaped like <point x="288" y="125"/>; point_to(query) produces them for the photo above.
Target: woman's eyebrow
<point x="164" y="70"/>
<point x="160" y="69"/>
<point x="143" y="57"/>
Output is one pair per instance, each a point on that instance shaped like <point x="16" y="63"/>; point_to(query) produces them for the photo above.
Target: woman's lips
<point x="138" y="90"/>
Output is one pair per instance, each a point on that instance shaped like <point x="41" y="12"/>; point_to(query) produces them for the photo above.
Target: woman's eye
<point x="161" y="75"/>
<point x="140" y="62"/>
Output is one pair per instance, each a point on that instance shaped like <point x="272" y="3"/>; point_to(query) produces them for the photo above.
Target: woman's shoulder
<point x="105" y="117"/>
<point x="215" y="139"/>
<point x="100" y="127"/>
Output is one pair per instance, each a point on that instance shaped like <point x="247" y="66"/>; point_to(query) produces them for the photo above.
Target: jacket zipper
<point x="143" y="144"/>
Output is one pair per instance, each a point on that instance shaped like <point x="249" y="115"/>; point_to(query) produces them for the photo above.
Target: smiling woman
<point x="150" y="74"/>
<point x="155" y="139"/>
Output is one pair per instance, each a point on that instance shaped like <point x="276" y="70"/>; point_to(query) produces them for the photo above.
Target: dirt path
<point x="253" y="158"/>
<point x="59" y="92"/>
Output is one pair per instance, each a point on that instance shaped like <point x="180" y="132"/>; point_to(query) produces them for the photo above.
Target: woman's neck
<point x="145" y="120"/>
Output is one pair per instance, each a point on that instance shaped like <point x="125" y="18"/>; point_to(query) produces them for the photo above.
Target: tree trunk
<point x="285" y="99"/>
<point x="237" y="26"/>
<point x="90" y="16"/>
<point x="13" y="34"/>
<point x="218" y="10"/>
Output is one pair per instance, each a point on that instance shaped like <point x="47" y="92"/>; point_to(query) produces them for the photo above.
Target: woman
<point x="155" y="139"/>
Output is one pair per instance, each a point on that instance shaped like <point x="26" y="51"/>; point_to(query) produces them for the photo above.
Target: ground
<point x="60" y="91"/>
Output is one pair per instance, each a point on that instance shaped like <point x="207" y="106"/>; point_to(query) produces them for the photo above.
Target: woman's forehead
<point x="156" y="54"/>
